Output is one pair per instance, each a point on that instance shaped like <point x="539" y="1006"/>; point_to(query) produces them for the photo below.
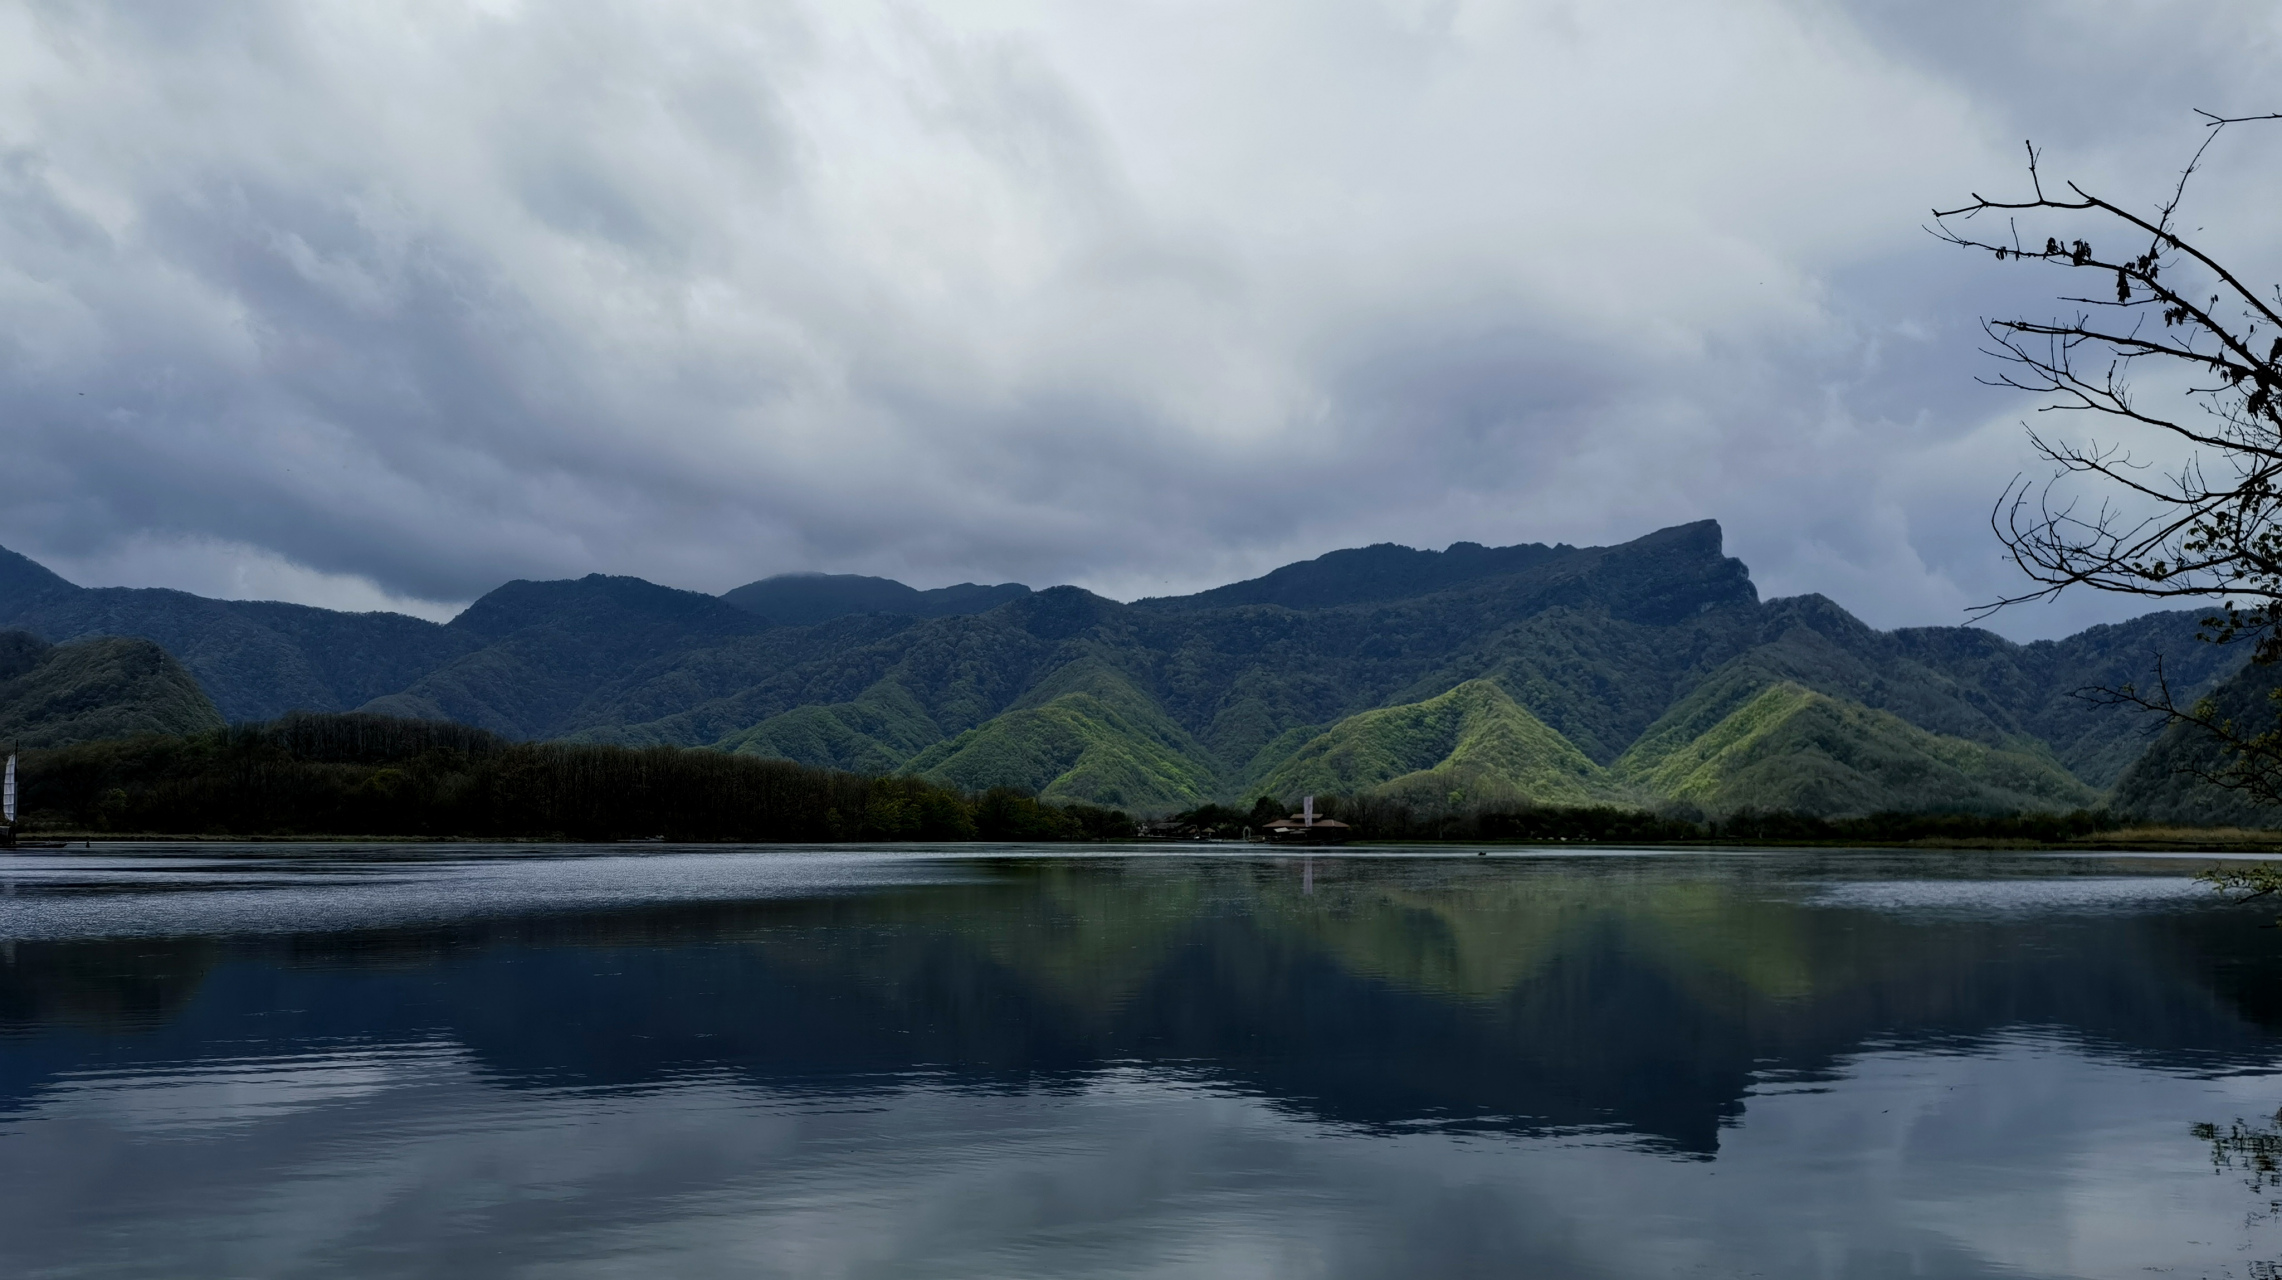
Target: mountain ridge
<point x="1166" y="702"/>
<point x="804" y="599"/>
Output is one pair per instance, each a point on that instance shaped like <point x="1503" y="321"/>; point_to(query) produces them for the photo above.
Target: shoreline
<point x="2145" y="840"/>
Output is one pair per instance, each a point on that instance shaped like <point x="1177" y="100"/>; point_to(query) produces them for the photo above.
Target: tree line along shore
<point x="368" y="776"/>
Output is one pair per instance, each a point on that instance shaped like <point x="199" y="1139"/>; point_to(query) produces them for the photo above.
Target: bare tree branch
<point x="2207" y="528"/>
<point x="2211" y="536"/>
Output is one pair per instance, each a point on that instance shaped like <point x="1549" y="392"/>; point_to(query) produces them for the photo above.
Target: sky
<point x="379" y="306"/>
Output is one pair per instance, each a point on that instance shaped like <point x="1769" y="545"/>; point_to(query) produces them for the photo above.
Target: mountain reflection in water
<point x="836" y="1064"/>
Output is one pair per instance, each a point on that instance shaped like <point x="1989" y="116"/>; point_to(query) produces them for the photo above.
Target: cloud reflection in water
<point x="1160" y="1066"/>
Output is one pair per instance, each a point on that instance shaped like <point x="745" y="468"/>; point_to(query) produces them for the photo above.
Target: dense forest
<point x="363" y="775"/>
<point x="368" y="775"/>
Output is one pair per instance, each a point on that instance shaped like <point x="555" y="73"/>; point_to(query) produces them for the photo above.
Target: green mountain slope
<point x="2167" y="784"/>
<point x="878" y="732"/>
<point x="2035" y="687"/>
<point x="104" y="687"/>
<point x="547" y="648"/>
<point x="1474" y="737"/>
<point x="1788" y="747"/>
<point x="1084" y="733"/>
<point x="896" y="685"/>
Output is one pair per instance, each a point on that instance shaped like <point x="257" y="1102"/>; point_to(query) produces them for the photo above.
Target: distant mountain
<point x="534" y="654"/>
<point x="2169" y="783"/>
<point x="804" y="599"/>
<point x="1664" y="577"/>
<point x="1382" y="571"/>
<point x="257" y="660"/>
<point x="107" y="687"/>
<point x="1646" y="673"/>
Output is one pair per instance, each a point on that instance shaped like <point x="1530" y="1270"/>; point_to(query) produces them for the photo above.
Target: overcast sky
<point x="381" y="305"/>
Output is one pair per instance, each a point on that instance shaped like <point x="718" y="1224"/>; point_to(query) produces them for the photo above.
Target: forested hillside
<point x="1643" y="674"/>
<point x="2172" y="781"/>
<point x="102" y="687"/>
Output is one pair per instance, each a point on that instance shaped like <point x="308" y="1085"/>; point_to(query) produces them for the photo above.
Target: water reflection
<point x="1809" y="1065"/>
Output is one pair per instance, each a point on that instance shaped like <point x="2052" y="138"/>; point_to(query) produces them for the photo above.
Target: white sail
<point x="8" y="793"/>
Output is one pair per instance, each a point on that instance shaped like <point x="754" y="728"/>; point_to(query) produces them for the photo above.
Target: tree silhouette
<point x="2166" y="311"/>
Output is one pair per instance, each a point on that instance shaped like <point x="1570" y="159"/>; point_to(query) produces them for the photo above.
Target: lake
<point x="972" y="1061"/>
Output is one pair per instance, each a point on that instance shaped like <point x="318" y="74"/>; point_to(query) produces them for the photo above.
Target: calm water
<point x="958" y="1063"/>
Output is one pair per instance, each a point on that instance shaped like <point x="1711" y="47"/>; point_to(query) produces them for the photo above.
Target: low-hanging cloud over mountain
<point x="382" y="305"/>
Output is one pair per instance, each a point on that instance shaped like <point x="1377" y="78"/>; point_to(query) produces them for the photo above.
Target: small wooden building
<point x="1305" y="829"/>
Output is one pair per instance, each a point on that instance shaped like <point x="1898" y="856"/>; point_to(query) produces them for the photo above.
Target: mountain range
<point x="1648" y="673"/>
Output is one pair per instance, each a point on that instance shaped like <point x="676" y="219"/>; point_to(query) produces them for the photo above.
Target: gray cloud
<point x="380" y="307"/>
